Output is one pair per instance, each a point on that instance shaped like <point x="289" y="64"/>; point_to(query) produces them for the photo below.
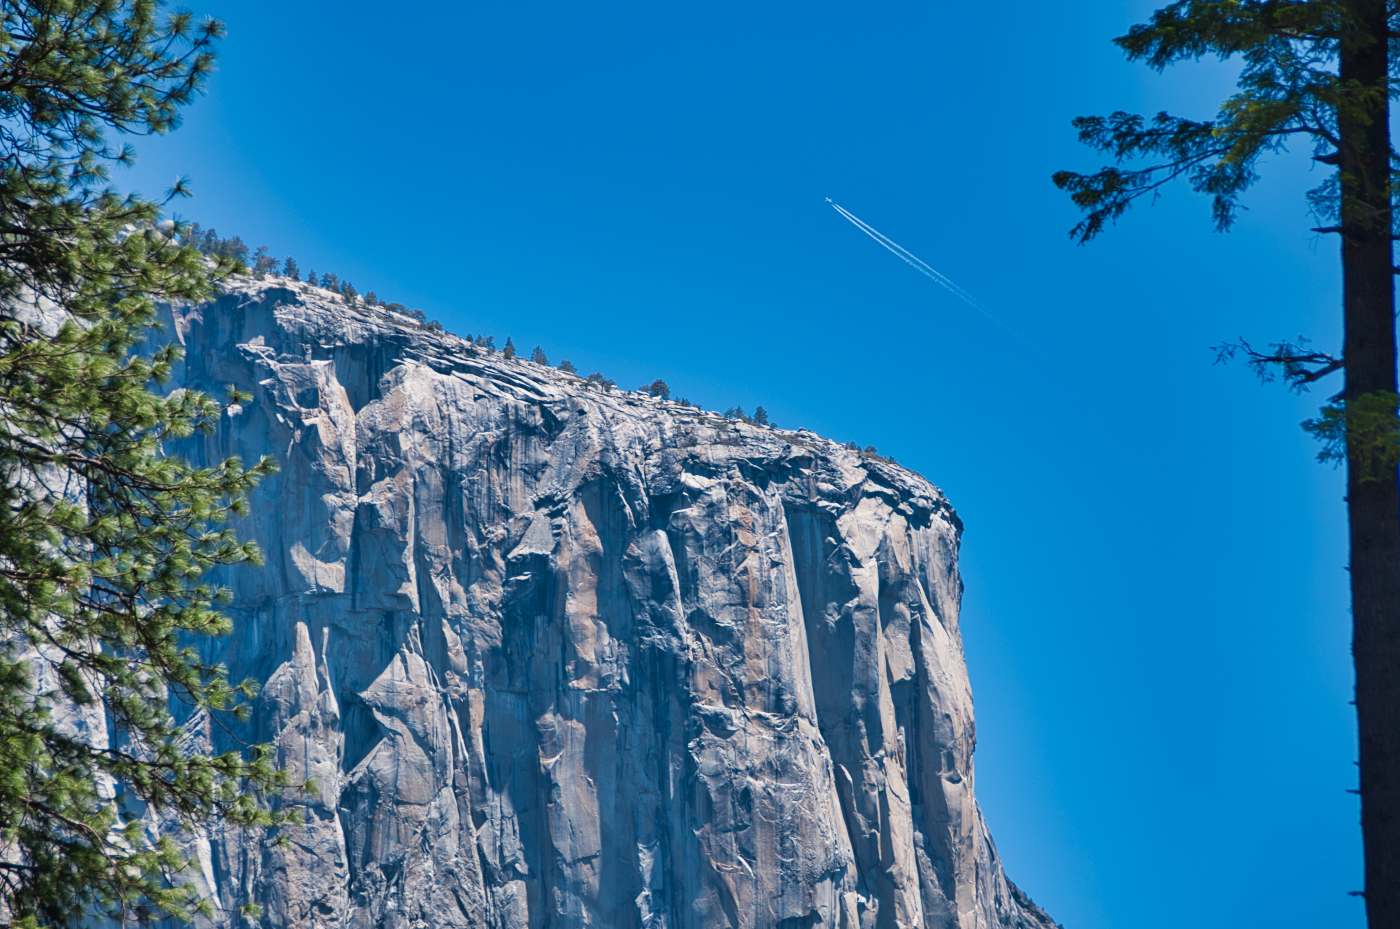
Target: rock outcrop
<point x="561" y="656"/>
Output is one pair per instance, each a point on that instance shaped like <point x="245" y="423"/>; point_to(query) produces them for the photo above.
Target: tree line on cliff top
<point x="260" y="265"/>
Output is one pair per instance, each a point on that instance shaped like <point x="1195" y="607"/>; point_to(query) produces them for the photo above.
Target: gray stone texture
<point x="557" y="656"/>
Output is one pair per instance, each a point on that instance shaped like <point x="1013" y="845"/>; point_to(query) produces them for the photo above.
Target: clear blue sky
<point x="1156" y="617"/>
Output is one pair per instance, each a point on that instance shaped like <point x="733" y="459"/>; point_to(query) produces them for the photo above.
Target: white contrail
<point x="919" y="265"/>
<point x="908" y="256"/>
<point x="923" y="267"/>
<point x="914" y="260"/>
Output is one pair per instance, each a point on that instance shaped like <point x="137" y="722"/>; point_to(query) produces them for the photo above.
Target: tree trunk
<point x="1373" y="493"/>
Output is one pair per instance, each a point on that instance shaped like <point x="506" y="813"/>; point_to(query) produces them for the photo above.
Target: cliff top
<point x="316" y="323"/>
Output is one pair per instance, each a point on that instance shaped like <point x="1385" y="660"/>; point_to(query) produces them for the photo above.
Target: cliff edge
<point x="559" y="656"/>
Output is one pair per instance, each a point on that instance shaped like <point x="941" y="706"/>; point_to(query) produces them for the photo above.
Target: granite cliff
<point x="558" y="656"/>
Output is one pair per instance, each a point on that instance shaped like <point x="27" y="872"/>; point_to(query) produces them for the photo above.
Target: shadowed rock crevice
<point x="564" y="657"/>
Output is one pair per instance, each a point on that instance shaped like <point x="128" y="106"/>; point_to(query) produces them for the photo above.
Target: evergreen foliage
<point x="104" y="535"/>
<point x="567" y="367"/>
<point x="263" y="263"/>
<point x="509" y="350"/>
<point x="539" y="357"/>
<point x="208" y="242"/>
<point x="657" y="388"/>
<point x="760" y="417"/>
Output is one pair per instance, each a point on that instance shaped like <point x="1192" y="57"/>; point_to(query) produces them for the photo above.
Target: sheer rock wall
<point x="558" y="656"/>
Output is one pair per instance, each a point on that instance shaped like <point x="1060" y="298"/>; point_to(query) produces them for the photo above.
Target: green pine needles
<point x="1289" y="86"/>
<point x="105" y="536"/>
<point x="103" y="542"/>
<point x="1366" y="428"/>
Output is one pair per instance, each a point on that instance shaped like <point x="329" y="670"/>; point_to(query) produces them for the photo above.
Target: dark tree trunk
<point x="1373" y="493"/>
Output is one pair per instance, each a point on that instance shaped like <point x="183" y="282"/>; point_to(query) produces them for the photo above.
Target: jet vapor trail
<point x="919" y="265"/>
<point x="908" y="256"/>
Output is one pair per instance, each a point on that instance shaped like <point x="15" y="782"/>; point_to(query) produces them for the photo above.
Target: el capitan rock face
<point x="561" y="657"/>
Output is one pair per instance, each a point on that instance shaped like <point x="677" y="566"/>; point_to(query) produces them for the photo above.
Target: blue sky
<point x="1156" y="618"/>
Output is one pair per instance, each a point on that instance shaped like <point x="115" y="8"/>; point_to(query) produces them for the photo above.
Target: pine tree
<point x="233" y="248"/>
<point x="263" y="263"/>
<point x="760" y="417"/>
<point x="311" y="278"/>
<point x="290" y="269"/>
<point x="1322" y="71"/>
<point x="657" y="388"/>
<point x="539" y="357"/>
<point x="567" y="367"/>
<point x="509" y="350"/>
<point x="104" y="531"/>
